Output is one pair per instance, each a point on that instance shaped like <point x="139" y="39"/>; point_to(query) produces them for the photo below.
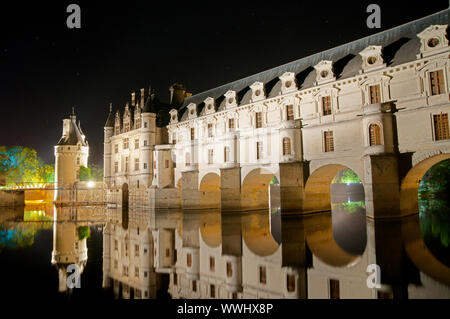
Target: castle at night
<point x="378" y="105"/>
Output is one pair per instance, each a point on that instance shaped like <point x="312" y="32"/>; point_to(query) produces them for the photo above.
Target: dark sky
<point x="46" y="68"/>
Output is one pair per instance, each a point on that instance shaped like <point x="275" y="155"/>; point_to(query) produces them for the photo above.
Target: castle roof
<point x="73" y="135"/>
<point x="110" y="119"/>
<point x="400" y="45"/>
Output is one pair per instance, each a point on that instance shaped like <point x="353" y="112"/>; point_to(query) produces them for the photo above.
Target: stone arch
<point x="409" y="189"/>
<point x="255" y="188"/>
<point x="209" y="187"/>
<point x="318" y="186"/>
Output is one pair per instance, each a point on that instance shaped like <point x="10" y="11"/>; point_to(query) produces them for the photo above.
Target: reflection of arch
<point x="318" y="187"/>
<point x="419" y="254"/>
<point x="255" y="188"/>
<point x="410" y="185"/>
<point x="256" y="235"/>
<point x="322" y="244"/>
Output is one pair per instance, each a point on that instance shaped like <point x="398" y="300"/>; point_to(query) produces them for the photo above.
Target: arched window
<point x="188" y="159"/>
<point x="374" y="134"/>
<point x="286" y="146"/>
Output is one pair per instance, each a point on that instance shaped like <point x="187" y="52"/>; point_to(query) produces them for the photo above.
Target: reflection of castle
<point x="68" y="248"/>
<point x="71" y="228"/>
<point x="137" y="254"/>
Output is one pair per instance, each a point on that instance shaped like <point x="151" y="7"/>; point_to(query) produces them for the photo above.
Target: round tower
<point x="71" y="152"/>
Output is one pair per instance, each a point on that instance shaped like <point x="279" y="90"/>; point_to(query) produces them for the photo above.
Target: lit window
<point x="192" y="133"/>
<point x="441" y="129"/>
<point x="334" y="289"/>
<point x="258" y="119"/>
<point x="259" y="150"/>
<point x="262" y="274"/>
<point x="286" y="146"/>
<point x="328" y="141"/>
<point x="437" y="82"/>
<point x="136" y="144"/>
<point x="210" y="156"/>
<point x="229" y="270"/>
<point x="188" y="159"/>
<point x="136" y="250"/>
<point x="326" y="105"/>
<point x="289" y="112"/>
<point x="145" y="124"/>
<point x="125" y="143"/>
<point x="226" y="154"/>
<point x="231" y="124"/>
<point x="126" y="164"/>
<point x="194" y="285"/>
<point x="374" y="134"/>
<point x="116" y="167"/>
<point x="145" y="165"/>
<point x="136" y="164"/>
<point x="212" y="289"/>
<point x="188" y="260"/>
<point x="290" y="283"/>
<point x="212" y="263"/>
<point x="374" y="92"/>
<point x="210" y="130"/>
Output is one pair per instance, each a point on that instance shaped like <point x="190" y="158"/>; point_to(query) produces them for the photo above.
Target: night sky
<point x="46" y="68"/>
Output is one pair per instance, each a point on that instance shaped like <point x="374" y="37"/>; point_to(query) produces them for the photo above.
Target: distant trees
<point x="346" y="176"/>
<point x="19" y="164"/>
<point x="91" y="173"/>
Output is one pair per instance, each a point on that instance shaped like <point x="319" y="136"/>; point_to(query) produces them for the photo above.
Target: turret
<point x="71" y="151"/>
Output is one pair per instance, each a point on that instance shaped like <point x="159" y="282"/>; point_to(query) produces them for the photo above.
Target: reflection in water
<point x="434" y="210"/>
<point x="209" y="254"/>
<point x="349" y="217"/>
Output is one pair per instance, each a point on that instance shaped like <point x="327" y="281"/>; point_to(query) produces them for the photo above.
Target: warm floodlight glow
<point x="90" y="184"/>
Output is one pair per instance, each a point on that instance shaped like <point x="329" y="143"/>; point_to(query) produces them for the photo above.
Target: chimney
<point x="133" y="99"/>
<point x="177" y="94"/>
<point x="143" y="91"/>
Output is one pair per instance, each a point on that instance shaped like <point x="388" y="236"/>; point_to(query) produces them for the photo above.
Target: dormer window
<point x="173" y="116"/>
<point x="192" y="109"/>
<point x="432" y="40"/>
<point x="209" y="105"/>
<point x="324" y="72"/>
<point x="287" y="82"/>
<point x="230" y="99"/>
<point x="372" y="58"/>
<point x="257" y="91"/>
